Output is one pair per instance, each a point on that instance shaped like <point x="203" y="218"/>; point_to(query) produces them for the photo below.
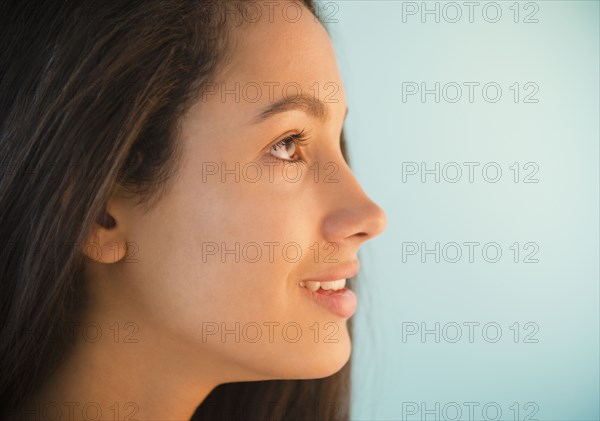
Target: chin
<point x="325" y="360"/>
<point x="305" y="361"/>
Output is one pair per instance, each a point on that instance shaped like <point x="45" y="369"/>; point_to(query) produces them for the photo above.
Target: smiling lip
<point x="346" y="271"/>
<point x="342" y="302"/>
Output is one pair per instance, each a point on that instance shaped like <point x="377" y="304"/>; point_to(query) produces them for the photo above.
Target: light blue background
<point x="560" y="294"/>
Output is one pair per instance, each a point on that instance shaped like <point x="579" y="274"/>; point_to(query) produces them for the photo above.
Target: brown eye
<point x="285" y="149"/>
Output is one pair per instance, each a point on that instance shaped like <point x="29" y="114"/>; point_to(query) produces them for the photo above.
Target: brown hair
<point x="91" y="96"/>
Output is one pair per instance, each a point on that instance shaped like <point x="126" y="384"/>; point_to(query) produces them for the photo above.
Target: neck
<point x="119" y="371"/>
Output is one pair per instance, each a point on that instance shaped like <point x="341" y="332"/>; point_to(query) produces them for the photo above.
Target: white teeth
<point x="313" y="286"/>
<point x="333" y="285"/>
<point x="330" y="285"/>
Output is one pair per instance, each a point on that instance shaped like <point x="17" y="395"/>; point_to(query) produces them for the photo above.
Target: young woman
<point x="177" y="215"/>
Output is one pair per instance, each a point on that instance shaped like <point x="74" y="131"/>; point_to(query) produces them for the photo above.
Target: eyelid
<point x="300" y="139"/>
<point x="301" y="134"/>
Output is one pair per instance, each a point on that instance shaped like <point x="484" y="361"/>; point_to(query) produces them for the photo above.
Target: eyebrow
<point x="307" y="103"/>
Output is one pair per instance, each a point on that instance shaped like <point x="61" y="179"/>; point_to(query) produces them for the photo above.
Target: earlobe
<point x="106" y="242"/>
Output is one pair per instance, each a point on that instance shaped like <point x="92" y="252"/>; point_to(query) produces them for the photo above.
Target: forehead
<point x="271" y="59"/>
<point x="286" y="45"/>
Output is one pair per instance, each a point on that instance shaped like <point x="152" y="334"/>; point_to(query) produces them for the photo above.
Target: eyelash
<point x="300" y="140"/>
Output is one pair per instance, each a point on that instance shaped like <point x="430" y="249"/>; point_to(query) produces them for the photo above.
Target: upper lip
<point x="343" y="271"/>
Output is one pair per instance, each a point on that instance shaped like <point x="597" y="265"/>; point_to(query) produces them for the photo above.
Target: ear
<point x="106" y="242"/>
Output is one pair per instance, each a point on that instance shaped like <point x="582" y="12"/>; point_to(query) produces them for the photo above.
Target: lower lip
<point x="341" y="303"/>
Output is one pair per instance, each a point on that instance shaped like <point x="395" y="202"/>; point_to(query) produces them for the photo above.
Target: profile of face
<point x="213" y="277"/>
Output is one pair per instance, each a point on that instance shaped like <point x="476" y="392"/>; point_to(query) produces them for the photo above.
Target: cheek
<point x="225" y="255"/>
<point x="222" y="251"/>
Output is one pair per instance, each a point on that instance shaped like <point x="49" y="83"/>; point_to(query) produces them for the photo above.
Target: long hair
<point x="91" y="97"/>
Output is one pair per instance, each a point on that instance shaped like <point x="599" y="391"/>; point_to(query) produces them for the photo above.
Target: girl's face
<point x="213" y="277"/>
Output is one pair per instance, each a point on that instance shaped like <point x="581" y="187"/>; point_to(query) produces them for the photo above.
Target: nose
<point x="352" y="215"/>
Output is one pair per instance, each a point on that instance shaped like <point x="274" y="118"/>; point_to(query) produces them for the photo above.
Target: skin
<point x="166" y="299"/>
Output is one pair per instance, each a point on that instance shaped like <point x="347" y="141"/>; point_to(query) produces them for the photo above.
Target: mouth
<point x="331" y="295"/>
<point x="328" y="287"/>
